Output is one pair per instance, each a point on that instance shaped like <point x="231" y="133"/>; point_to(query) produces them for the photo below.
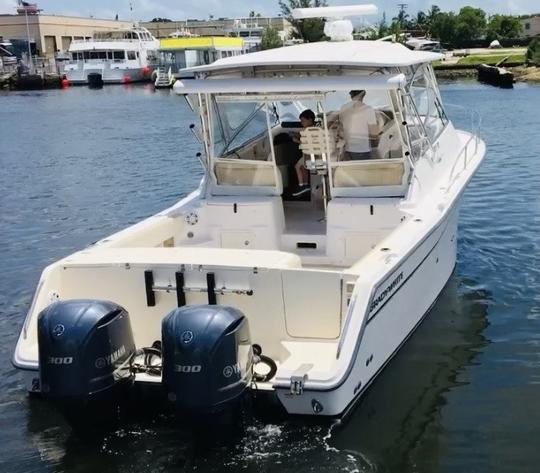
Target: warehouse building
<point x="531" y="26"/>
<point x="50" y="34"/>
<point x="219" y="27"/>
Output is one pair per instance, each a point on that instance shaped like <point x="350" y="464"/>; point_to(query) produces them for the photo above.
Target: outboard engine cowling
<point x="207" y="356"/>
<point x="85" y="349"/>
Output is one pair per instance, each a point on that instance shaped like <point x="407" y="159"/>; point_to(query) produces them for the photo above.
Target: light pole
<point x="31" y="64"/>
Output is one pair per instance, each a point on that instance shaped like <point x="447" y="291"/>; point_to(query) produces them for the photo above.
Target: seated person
<point x="358" y="126"/>
<point x="307" y="119"/>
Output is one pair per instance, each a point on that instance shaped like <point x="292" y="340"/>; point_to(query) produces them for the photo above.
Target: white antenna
<point x="131" y="13"/>
<point x="336" y="27"/>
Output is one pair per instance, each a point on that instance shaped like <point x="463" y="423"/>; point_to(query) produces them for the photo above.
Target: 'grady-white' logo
<point x="187" y="337"/>
<point x="58" y="330"/>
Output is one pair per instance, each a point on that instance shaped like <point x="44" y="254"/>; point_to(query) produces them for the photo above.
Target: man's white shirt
<point x="355" y="118"/>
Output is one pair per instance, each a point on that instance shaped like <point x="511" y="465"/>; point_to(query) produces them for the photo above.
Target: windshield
<point x="238" y="123"/>
<point x="256" y="139"/>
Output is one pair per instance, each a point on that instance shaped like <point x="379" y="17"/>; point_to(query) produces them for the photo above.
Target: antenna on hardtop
<point x="337" y="28"/>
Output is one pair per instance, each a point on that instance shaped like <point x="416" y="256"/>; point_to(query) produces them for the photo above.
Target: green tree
<point x="382" y="28"/>
<point x="310" y="29"/>
<point x="420" y="22"/>
<point x="471" y="24"/>
<point x="270" y="38"/>
<point x="395" y="29"/>
<point x="431" y="14"/>
<point x="503" y="27"/>
<point x="443" y="27"/>
<point x="533" y="52"/>
<point x="402" y="19"/>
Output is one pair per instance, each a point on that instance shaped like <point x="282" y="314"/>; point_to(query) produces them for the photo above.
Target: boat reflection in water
<point x="397" y="423"/>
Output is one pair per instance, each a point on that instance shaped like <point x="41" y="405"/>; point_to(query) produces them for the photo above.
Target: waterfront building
<point x="219" y="27"/>
<point x="50" y="34"/>
<point x="531" y="26"/>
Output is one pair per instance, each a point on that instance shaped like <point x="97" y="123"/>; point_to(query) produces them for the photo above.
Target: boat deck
<point x="302" y="218"/>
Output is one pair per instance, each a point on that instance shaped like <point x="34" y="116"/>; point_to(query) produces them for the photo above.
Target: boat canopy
<point x="200" y="42"/>
<point x="290" y="84"/>
<point x="345" y="53"/>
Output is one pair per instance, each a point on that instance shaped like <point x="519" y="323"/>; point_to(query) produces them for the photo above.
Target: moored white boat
<point x="329" y="284"/>
<point x="119" y="56"/>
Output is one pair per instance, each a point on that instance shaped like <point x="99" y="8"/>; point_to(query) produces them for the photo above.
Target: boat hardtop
<point x="360" y="53"/>
<point x="322" y="232"/>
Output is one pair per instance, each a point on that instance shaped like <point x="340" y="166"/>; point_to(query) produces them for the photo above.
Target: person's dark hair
<point x="354" y="93"/>
<point x="308" y="115"/>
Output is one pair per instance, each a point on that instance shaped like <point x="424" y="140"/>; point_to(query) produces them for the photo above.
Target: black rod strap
<point x="149" y="284"/>
<point x="211" y="284"/>
<point x="180" y="294"/>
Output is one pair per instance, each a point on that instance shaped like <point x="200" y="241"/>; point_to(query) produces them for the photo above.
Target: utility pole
<point x="31" y="63"/>
<point x="402" y="7"/>
<point x="401" y="14"/>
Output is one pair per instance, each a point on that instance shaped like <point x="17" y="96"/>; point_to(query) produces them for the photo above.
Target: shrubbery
<point x="533" y="52"/>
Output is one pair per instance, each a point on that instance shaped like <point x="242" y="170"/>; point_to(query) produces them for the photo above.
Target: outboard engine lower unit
<point x="85" y="349"/>
<point x="207" y="356"/>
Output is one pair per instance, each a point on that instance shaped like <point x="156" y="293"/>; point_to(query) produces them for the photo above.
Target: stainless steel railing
<point x="460" y="115"/>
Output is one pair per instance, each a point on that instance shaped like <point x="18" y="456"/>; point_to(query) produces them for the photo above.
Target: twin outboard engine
<point x="207" y="357"/>
<point x="85" y="350"/>
<point x="88" y="360"/>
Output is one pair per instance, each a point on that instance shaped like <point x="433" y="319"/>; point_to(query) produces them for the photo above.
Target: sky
<point x="183" y="9"/>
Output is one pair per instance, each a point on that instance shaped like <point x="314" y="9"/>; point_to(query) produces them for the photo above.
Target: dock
<point x="14" y="81"/>
<point x="6" y="79"/>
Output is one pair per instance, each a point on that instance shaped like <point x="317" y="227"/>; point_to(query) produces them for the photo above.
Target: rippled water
<point x="462" y="395"/>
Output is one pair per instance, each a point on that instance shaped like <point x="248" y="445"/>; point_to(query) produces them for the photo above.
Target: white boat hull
<point x="110" y="76"/>
<point x="422" y="276"/>
<point x="330" y="287"/>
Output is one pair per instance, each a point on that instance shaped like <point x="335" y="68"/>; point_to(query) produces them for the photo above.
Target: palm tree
<point x="420" y="22"/>
<point x="402" y="19"/>
<point x="430" y="17"/>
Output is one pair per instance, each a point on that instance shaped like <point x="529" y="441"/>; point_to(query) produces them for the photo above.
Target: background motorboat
<point x="119" y="56"/>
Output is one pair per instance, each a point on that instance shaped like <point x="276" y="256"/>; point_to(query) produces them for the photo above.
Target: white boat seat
<point x="241" y="172"/>
<point x="316" y="143"/>
<point x="375" y="172"/>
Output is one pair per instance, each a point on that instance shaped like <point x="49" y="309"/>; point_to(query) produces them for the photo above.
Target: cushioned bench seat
<point x="376" y="172"/>
<point x="240" y="172"/>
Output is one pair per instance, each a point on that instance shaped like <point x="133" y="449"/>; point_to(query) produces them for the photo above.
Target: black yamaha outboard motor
<point x="207" y="357"/>
<point x="85" y="349"/>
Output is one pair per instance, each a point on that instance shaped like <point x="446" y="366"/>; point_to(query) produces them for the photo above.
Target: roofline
<point x="42" y="15"/>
